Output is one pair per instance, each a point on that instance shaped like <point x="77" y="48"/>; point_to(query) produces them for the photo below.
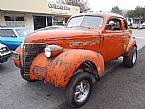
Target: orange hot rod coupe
<point x="73" y="57"/>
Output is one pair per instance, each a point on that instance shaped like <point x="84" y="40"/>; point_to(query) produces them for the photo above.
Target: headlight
<point x="47" y="52"/>
<point x="4" y="49"/>
<point x="1" y="50"/>
<point x="53" y="50"/>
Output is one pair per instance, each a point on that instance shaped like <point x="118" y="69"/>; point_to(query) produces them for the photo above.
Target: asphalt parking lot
<point x="140" y="37"/>
<point x="122" y="88"/>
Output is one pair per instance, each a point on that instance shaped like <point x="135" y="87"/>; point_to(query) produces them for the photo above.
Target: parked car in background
<point x="142" y="25"/>
<point x="13" y="37"/>
<point x="5" y="53"/>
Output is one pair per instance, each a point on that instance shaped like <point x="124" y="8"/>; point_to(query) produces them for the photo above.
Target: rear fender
<point x="131" y="44"/>
<point x="60" y="69"/>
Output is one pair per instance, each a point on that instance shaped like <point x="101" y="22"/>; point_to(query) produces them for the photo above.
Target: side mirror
<point x="14" y="36"/>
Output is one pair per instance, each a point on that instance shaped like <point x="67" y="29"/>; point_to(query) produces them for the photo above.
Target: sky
<point x="106" y="5"/>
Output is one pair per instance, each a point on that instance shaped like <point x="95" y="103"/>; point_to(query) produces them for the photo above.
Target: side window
<point x="125" y="25"/>
<point x="114" y="25"/>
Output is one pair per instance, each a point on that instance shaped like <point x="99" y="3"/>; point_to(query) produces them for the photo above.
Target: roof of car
<point x="102" y="14"/>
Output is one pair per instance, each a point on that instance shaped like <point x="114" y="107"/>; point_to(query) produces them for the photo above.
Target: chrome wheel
<point x="134" y="57"/>
<point x="81" y="91"/>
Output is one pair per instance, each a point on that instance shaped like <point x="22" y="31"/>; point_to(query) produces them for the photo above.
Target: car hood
<point x="60" y="34"/>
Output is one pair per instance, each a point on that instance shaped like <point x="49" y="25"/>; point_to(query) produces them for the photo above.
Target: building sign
<point x="58" y="6"/>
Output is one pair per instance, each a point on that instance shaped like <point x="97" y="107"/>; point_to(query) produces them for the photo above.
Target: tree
<point x="83" y="4"/>
<point x="116" y="10"/>
<point x="139" y="12"/>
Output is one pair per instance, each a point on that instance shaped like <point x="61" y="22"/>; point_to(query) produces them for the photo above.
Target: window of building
<point x="19" y="18"/>
<point x="14" y="18"/>
<point x="14" y="21"/>
<point x="9" y="18"/>
<point x="49" y="20"/>
<point x="58" y="21"/>
<point x="39" y="22"/>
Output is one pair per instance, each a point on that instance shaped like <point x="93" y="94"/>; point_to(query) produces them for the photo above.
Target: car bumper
<point x="4" y="57"/>
<point x="143" y="27"/>
<point x="16" y="58"/>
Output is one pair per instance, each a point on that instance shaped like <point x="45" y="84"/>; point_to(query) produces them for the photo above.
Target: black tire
<point x="26" y="76"/>
<point x="73" y="84"/>
<point x="130" y="61"/>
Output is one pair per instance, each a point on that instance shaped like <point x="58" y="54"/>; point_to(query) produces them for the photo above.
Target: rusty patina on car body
<point x="97" y="46"/>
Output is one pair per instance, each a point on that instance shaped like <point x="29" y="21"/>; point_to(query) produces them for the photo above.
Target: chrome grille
<point x="30" y="51"/>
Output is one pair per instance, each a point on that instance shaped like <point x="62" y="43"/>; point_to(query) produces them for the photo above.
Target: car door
<point x="9" y="38"/>
<point x="112" y="40"/>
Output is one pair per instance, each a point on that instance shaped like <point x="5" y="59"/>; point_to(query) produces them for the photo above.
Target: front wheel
<point x="79" y="89"/>
<point x="130" y="61"/>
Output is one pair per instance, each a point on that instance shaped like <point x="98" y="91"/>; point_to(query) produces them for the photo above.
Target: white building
<point x="34" y="14"/>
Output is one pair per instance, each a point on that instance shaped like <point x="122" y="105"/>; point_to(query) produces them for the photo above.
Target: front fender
<point x="60" y="69"/>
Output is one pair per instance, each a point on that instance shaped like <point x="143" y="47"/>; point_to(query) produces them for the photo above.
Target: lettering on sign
<point x="58" y="6"/>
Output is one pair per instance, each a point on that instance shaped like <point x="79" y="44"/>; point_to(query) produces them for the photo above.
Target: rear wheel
<point x="79" y="89"/>
<point x="130" y="61"/>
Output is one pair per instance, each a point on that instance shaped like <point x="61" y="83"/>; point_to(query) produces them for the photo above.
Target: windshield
<point x="86" y="21"/>
<point x="23" y="32"/>
<point x="7" y="33"/>
<point x="11" y="33"/>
